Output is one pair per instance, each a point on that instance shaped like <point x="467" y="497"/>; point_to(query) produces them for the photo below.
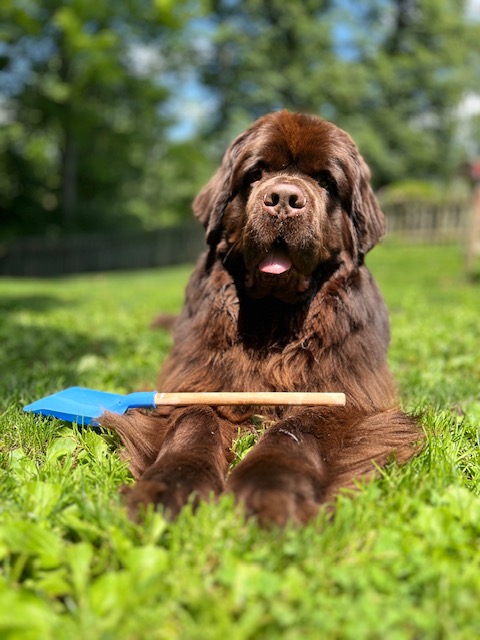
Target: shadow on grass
<point x="31" y="302"/>
<point x="40" y="359"/>
<point x="474" y="278"/>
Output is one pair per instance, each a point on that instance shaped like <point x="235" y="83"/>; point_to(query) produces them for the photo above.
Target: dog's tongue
<point x="276" y="261"/>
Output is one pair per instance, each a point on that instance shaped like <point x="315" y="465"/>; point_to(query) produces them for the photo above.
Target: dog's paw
<point x="171" y="487"/>
<point x="277" y="495"/>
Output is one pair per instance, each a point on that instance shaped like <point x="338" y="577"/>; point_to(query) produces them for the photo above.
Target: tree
<point x="82" y="116"/>
<point x="391" y="72"/>
<point x="420" y="58"/>
<point x="268" y="54"/>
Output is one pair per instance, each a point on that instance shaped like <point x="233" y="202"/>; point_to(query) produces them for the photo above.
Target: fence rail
<point x="412" y="223"/>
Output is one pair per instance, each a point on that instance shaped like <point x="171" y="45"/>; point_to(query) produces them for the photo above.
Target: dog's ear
<point x="367" y="217"/>
<point x="210" y="204"/>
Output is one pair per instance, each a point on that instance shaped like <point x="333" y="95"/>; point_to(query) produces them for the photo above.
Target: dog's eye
<point x="253" y="176"/>
<point x="326" y="181"/>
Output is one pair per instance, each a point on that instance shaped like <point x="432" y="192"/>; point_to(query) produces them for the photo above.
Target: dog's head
<point x="292" y="194"/>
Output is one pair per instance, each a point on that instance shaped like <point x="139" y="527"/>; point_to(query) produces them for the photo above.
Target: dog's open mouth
<point x="276" y="274"/>
<point x="277" y="261"/>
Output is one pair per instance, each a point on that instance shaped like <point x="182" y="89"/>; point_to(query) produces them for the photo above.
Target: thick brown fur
<point x="294" y="190"/>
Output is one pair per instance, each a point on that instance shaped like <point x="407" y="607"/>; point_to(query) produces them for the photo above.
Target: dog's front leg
<point x="192" y="462"/>
<point x="304" y="460"/>
<point x="283" y="478"/>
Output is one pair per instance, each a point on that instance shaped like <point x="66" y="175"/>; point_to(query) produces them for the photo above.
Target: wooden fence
<point x="101" y="251"/>
<point x="412" y="223"/>
<point x="417" y="222"/>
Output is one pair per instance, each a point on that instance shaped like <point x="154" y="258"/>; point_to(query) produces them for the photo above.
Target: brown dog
<point x="280" y="301"/>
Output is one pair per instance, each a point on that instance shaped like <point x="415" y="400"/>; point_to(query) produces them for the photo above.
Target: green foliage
<point x="270" y="55"/>
<point x="399" y="560"/>
<point x="82" y="117"/>
<point x="174" y="175"/>
<point x="91" y="137"/>
<point x="412" y="190"/>
<point x="390" y="73"/>
<point x="423" y="191"/>
<point x="420" y="67"/>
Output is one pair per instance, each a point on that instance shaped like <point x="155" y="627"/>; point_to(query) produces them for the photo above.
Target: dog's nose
<point x="284" y="199"/>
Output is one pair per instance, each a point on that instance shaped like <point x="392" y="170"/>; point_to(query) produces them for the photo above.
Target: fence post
<point x="473" y="236"/>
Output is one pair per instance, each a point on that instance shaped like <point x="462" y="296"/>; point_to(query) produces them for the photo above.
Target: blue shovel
<point x="85" y="406"/>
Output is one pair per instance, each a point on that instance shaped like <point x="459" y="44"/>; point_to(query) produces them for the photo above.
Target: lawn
<point x="400" y="560"/>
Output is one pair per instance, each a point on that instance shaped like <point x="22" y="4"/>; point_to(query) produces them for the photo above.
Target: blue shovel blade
<point x="84" y="406"/>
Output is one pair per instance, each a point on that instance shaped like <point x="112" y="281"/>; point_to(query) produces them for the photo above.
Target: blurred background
<point x="114" y="114"/>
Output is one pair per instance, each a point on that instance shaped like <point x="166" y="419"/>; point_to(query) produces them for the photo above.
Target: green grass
<point x="400" y="560"/>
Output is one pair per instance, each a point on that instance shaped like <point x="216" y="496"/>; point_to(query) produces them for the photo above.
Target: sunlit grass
<point x="400" y="559"/>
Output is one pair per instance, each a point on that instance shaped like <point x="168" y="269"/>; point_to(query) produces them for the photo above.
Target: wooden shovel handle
<point x="250" y="398"/>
